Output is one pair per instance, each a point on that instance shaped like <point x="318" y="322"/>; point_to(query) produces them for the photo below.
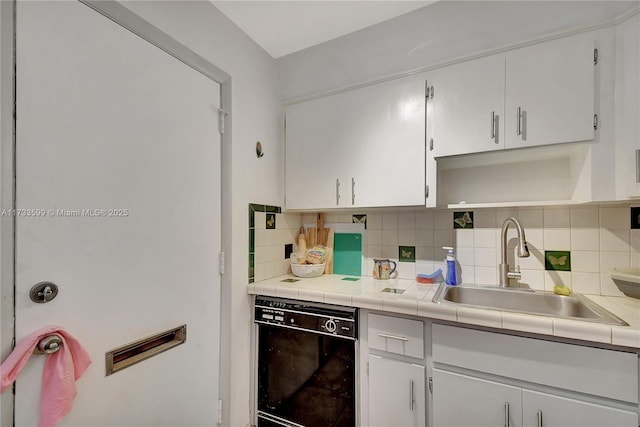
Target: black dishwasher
<point x="306" y="363"/>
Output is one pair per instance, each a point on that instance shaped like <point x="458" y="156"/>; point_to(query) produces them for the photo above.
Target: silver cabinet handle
<point x="353" y="191"/>
<point x="412" y="398"/>
<point x="506" y="414"/>
<point x="430" y="144"/>
<point x="337" y="192"/>
<point x="539" y="418"/>
<point x="519" y="122"/>
<point x="393" y="337"/>
<point x="493" y="125"/>
<point x="638" y="166"/>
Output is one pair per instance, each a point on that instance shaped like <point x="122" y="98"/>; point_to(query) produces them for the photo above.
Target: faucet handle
<point x="514" y="274"/>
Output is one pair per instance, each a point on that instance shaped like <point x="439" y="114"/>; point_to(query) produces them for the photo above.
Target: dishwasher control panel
<point x="307" y="316"/>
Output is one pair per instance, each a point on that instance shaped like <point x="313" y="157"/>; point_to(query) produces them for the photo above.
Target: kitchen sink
<point x="574" y="306"/>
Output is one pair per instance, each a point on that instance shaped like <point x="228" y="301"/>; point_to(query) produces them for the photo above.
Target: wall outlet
<point x="288" y="249"/>
<point x="635" y="218"/>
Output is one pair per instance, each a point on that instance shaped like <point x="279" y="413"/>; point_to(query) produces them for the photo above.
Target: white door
<point x="108" y="122"/>
<point x="396" y="393"/>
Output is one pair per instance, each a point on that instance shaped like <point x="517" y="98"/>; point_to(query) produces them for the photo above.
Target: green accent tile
<point x="271" y="221"/>
<point x="351" y="279"/>
<point x="251" y="280"/>
<point x="407" y="253"/>
<point x="252" y="240"/>
<point x="258" y="208"/>
<point x="290" y="280"/>
<point x="272" y="209"/>
<point x="251" y="266"/>
<point x="557" y="260"/>
<point x="252" y="217"/>
<point x="463" y="219"/>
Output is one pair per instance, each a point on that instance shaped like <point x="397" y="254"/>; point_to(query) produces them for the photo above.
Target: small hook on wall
<point x="259" y="152"/>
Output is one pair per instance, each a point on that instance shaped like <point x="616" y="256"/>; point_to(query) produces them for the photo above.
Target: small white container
<point x="307" y="270"/>
<point x="627" y="280"/>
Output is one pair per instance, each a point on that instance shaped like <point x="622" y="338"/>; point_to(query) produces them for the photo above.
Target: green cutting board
<point x="347" y="254"/>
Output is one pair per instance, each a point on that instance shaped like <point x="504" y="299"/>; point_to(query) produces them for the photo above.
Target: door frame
<point x="142" y="28"/>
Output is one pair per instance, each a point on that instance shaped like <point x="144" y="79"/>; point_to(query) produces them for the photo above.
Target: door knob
<point x="49" y="344"/>
<point x="43" y="292"/>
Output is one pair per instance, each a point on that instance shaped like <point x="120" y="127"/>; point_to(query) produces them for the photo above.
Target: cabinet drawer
<point x="396" y="335"/>
<point x="599" y="372"/>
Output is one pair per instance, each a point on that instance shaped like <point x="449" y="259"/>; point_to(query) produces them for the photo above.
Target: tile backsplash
<point x="271" y="237"/>
<point x="574" y="246"/>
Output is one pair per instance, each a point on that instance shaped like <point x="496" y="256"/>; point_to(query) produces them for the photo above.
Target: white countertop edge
<point x="365" y="293"/>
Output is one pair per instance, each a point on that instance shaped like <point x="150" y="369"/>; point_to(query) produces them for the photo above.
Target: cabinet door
<point x="316" y="154"/>
<point x="541" y="409"/>
<point x="396" y="393"/>
<point x="628" y="107"/>
<point x="461" y="401"/>
<point x="360" y="148"/>
<point x="467" y="107"/>
<point x="387" y="131"/>
<point x="550" y="90"/>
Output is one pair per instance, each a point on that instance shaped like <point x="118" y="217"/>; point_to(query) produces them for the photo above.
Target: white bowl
<point x="627" y="280"/>
<point x="307" y="270"/>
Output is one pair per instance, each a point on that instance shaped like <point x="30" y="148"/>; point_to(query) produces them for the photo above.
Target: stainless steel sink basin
<point x="574" y="306"/>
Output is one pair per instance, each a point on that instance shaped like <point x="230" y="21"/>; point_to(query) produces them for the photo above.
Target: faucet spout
<point x="523" y="251"/>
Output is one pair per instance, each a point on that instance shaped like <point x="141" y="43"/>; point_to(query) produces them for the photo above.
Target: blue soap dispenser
<point x="451" y="278"/>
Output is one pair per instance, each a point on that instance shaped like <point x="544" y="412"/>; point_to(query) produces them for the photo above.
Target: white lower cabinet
<point x="483" y="378"/>
<point x="396" y="393"/>
<point x="548" y="410"/>
<point x="462" y="400"/>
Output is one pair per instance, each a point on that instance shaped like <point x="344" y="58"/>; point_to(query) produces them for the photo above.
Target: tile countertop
<point x="365" y="292"/>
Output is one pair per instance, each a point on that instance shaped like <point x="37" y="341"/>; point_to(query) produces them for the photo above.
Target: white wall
<point x="433" y="35"/>
<point x="256" y="116"/>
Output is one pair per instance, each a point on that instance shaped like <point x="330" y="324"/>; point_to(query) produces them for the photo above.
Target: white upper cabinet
<point x="549" y="96"/>
<point x="467" y="107"/>
<point x="538" y="95"/>
<point x="360" y="148"/>
<point x="627" y="108"/>
<point x="315" y="162"/>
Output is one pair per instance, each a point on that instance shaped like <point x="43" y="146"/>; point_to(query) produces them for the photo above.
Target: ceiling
<point x="284" y="27"/>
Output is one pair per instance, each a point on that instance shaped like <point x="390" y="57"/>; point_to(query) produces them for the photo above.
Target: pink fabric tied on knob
<point x="61" y="370"/>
